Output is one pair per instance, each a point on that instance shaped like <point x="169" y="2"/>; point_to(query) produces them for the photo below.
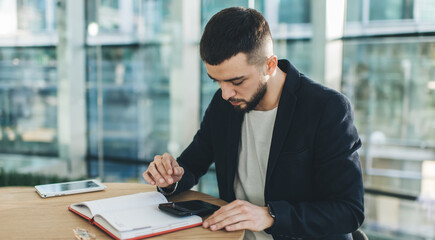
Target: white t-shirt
<point x="257" y="129"/>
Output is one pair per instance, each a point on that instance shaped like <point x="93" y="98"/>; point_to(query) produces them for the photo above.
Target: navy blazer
<point x="313" y="180"/>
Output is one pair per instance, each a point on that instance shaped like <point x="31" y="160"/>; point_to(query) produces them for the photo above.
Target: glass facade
<point x="134" y="59"/>
<point x="133" y="53"/>
<point x="391" y="9"/>
<point x="294" y="11"/>
<point x="37" y="16"/>
<point x="135" y="102"/>
<point x="389" y="81"/>
<point x="389" y="84"/>
<point x="28" y="101"/>
<point x="354" y="11"/>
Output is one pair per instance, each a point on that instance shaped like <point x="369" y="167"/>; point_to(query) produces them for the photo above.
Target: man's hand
<point x="163" y="171"/>
<point x="239" y="215"/>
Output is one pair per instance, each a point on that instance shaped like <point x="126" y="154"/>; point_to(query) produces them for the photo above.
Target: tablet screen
<point x="68" y="186"/>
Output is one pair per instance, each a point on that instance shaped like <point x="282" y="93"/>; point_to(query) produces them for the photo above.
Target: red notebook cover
<point x="91" y="221"/>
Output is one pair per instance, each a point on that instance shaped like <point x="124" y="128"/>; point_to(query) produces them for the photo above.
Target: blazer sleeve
<point x="337" y="177"/>
<point x="198" y="156"/>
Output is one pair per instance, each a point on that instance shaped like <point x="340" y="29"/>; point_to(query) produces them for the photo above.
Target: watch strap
<point x="271" y="212"/>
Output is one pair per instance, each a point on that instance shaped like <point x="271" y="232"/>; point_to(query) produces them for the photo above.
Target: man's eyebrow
<point x="226" y="80"/>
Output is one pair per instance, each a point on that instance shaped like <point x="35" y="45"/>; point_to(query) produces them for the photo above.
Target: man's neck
<point x="273" y="93"/>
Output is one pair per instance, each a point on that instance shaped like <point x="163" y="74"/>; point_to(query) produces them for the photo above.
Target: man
<point x="284" y="146"/>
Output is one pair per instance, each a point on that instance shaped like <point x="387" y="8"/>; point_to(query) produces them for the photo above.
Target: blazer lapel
<point x="284" y="115"/>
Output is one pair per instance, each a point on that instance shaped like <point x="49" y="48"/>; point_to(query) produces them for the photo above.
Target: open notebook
<point x="134" y="216"/>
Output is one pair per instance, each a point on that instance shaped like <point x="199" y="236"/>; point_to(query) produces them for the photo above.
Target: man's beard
<point x="250" y="105"/>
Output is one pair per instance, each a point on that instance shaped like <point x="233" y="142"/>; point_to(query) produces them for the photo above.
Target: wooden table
<point x="25" y="215"/>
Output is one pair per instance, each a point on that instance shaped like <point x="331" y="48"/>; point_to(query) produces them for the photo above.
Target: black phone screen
<point x="195" y="205"/>
<point x="187" y="208"/>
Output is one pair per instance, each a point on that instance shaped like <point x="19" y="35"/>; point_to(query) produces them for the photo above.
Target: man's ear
<point x="271" y="64"/>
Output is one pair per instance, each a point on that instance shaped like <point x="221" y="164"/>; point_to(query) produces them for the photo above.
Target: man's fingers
<point x="216" y="217"/>
<point x="155" y="174"/>
<point x="148" y="178"/>
<point x="239" y="215"/>
<point x="157" y="162"/>
<point x="224" y="212"/>
<point x="157" y="158"/>
<point x="178" y="171"/>
<point x="175" y="165"/>
<point x="234" y="205"/>
<point x="167" y="160"/>
<point x="229" y="220"/>
<point x="238" y="226"/>
<point x="162" y="170"/>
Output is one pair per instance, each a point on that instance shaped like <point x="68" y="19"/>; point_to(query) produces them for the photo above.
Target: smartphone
<point x="67" y="188"/>
<point x="188" y="208"/>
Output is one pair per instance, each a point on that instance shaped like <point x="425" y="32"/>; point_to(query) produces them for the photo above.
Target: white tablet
<point x="67" y="188"/>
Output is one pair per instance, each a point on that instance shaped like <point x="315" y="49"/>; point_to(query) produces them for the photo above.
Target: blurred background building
<point x="96" y="88"/>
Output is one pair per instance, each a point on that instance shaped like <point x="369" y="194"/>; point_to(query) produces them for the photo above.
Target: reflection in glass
<point x="297" y="52"/>
<point x="28" y="101"/>
<point x="135" y="102"/>
<point x="387" y="83"/>
<point x="135" y="81"/>
<point x="425" y="10"/>
<point x="354" y="11"/>
<point x="107" y="14"/>
<point x="211" y="7"/>
<point x="391" y="9"/>
<point x="35" y="15"/>
<point x="394" y="218"/>
<point x="294" y="11"/>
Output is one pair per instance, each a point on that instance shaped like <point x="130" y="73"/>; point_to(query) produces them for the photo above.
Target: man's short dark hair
<point x="231" y="31"/>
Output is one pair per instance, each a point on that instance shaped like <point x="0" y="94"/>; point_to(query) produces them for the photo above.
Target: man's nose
<point x="227" y="90"/>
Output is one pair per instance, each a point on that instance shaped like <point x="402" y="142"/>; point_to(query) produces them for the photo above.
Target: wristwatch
<point x="271" y="213"/>
<point x="166" y="192"/>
